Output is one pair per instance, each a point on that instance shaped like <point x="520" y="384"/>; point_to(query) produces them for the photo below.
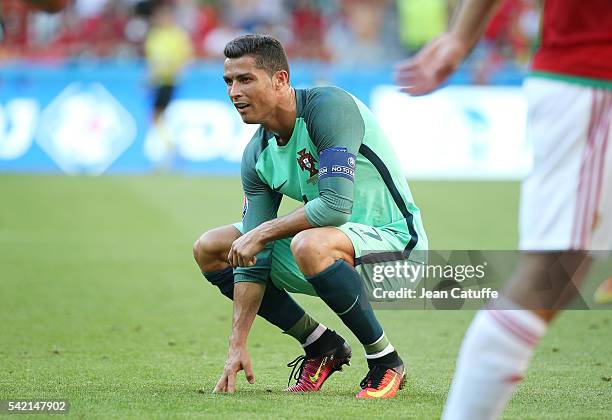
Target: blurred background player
<point x="168" y="50"/>
<point x="566" y="201"/>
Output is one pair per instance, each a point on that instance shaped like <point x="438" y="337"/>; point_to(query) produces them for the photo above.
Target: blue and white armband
<point x="337" y="162"/>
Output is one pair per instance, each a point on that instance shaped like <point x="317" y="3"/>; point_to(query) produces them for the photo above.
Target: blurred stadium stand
<point x="352" y="32"/>
<point x="75" y="94"/>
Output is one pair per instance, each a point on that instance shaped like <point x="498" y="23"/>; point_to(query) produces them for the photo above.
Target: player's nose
<point x="234" y="91"/>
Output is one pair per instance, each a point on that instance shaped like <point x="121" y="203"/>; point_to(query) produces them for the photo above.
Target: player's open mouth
<point x="241" y="106"/>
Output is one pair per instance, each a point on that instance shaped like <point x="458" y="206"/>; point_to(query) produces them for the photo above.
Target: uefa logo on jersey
<point x="85" y="129"/>
<point x="351" y="161"/>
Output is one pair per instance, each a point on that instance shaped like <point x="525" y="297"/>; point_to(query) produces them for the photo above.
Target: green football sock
<point x="277" y="307"/>
<point x="303" y="328"/>
<point x="341" y="288"/>
<point x="378" y="347"/>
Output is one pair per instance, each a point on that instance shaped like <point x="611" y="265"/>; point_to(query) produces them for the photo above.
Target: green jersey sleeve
<point x="261" y="205"/>
<point x="336" y="127"/>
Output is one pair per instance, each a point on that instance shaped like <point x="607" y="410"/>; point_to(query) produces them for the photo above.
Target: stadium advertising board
<point x="77" y="121"/>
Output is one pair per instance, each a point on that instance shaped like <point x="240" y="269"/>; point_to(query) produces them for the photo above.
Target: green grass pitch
<point x="102" y="304"/>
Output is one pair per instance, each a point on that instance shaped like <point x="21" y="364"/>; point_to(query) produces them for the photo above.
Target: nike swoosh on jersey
<point x="277" y="189"/>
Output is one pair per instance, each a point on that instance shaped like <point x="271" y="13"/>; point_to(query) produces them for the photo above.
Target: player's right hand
<point x="237" y="360"/>
<point x="431" y="66"/>
<point x="243" y="250"/>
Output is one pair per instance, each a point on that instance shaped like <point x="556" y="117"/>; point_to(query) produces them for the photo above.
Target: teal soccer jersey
<point x="339" y="163"/>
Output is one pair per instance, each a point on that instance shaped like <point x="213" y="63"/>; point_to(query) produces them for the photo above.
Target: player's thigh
<point x="284" y="271"/>
<point x="321" y="246"/>
<point x="377" y="247"/>
<point x="367" y="240"/>
<point x="564" y="198"/>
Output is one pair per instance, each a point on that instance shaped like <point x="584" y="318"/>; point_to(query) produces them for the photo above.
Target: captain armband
<point x="336" y="162"/>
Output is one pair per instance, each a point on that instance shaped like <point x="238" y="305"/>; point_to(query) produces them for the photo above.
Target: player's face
<point x="250" y="89"/>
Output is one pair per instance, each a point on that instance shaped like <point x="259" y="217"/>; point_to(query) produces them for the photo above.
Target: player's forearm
<point x="247" y="298"/>
<point x="285" y="226"/>
<point x="470" y="20"/>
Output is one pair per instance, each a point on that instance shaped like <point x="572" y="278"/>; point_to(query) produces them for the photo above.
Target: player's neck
<point x="283" y="118"/>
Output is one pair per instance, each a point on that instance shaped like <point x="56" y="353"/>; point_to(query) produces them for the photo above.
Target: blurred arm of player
<point x="437" y="60"/>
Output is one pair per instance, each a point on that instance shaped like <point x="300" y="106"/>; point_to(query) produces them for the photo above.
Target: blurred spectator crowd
<point x="349" y="32"/>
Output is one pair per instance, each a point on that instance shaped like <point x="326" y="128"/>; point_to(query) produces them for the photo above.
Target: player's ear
<point x="280" y="78"/>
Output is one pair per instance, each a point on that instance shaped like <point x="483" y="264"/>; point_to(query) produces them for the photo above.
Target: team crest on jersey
<point x="245" y="206"/>
<point x="307" y="163"/>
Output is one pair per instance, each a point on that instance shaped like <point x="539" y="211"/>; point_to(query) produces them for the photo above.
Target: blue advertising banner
<point x="96" y="118"/>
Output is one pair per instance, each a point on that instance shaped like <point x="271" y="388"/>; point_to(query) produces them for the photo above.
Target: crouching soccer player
<point x="322" y="147"/>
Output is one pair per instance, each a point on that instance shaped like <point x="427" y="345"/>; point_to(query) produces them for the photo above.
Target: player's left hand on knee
<point x="243" y="250"/>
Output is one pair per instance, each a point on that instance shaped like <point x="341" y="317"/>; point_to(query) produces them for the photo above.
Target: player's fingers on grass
<point x="248" y="371"/>
<point x="222" y="384"/>
<point x="231" y="381"/>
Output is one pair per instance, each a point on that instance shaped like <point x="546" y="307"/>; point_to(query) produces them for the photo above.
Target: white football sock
<point x="494" y="356"/>
<point x="315" y="335"/>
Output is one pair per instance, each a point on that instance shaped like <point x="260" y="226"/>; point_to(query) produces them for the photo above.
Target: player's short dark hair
<point x="268" y="52"/>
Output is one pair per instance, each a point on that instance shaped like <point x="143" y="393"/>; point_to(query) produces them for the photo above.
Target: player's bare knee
<point x="206" y="251"/>
<point x="305" y="248"/>
<point x="312" y="253"/>
<point x="199" y="254"/>
<point x="211" y="249"/>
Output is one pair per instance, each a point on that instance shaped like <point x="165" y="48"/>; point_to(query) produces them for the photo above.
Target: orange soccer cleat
<point x="382" y="382"/>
